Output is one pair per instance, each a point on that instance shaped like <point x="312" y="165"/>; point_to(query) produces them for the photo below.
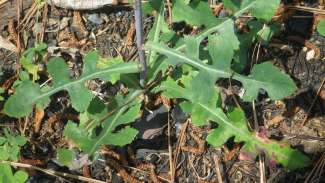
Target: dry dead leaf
<point x="79" y="24"/>
<point x="276" y="120"/>
<point x="4" y="43"/>
<point x="130" y="35"/>
<point x="230" y="154"/>
<point x="39" y="114"/>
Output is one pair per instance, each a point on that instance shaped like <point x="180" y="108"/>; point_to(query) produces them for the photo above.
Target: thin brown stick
<point x="308" y="9"/>
<point x="3" y="2"/>
<point x="320" y="170"/>
<point x="315" y="168"/>
<point x="44" y="22"/>
<point x="54" y="173"/>
<point x="233" y="96"/>
<point x="29" y="15"/>
<point x="191" y="159"/>
<point x="170" y="151"/>
<point x="170" y="15"/>
<point x="262" y="169"/>
<point x="256" y="127"/>
<point x="121" y="171"/>
<point x="253" y="55"/>
<point x="179" y="143"/>
<point x="19" y="7"/>
<point x="313" y="103"/>
<point x="216" y="163"/>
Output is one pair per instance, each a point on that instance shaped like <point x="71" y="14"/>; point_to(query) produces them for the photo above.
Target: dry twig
<point x="313" y="103"/>
<point x="216" y="162"/>
<point x="170" y="151"/>
<point x="54" y="173"/>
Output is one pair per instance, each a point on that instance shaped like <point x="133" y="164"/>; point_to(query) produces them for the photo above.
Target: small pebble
<point x="310" y="55"/>
<point x="95" y="19"/>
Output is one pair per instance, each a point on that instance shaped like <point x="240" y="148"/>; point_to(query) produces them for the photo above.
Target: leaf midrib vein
<point x="88" y="77"/>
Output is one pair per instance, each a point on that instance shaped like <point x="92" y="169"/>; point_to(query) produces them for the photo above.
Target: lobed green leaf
<point x="28" y="93"/>
<point x="321" y="27"/>
<point x="114" y="127"/>
<point x="232" y="124"/>
<point x="263" y="76"/>
<point x="261" y="9"/>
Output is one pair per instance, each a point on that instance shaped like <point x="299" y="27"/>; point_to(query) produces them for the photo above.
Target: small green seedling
<point x="10" y="146"/>
<point x="31" y="58"/>
<point x="66" y="157"/>
<point x="321" y="27"/>
<point x="7" y="176"/>
<point x="2" y="90"/>
<point x="10" y="151"/>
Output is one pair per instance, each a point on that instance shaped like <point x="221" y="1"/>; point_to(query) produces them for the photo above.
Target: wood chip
<point x="130" y="35"/>
<point x="39" y="114"/>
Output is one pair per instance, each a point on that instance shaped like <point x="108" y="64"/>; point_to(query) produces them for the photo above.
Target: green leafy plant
<point x="10" y="151"/>
<point x="219" y="59"/>
<point x="29" y="93"/>
<point x="185" y="67"/>
<point x="2" y="90"/>
<point x="7" y="176"/>
<point x="125" y="110"/>
<point x="10" y="146"/>
<point x="31" y="58"/>
<point x="230" y="124"/>
<point x="321" y="27"/>
<point x="40" y="3"/>
<point x="66" y="156"/>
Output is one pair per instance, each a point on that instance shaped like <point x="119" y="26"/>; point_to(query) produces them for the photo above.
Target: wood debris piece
<point x="39" y="114"/>
<point x="86" y="171"/>
<point x="230" y="154"/>
<point x="276" y="120"/>
<point x="196" y="150"/>
<point x="4" y="43"/>
<point x="79" y="25"/>
<point x="9" y="82"/>
<point x="34" y="162"/>
<point x="130" y="35"/>
<point x="13" y="36"/>
<point x="153" y="176"/>
<point x="111" y="162"/>
<point x="68" y="39"/>
<point x="109" y="152"/>
<point x="307" y="44"/>
<point x="8" y="10"/>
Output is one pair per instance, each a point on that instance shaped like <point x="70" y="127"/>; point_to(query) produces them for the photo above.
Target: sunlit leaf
<point x="231" y="124"/>
<point x="66" y="156"/>
<point x="127" y="109"/>
<point x="321" y="27"/>
<point x="28" y="93"/>
<point x="263" y="76"/>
